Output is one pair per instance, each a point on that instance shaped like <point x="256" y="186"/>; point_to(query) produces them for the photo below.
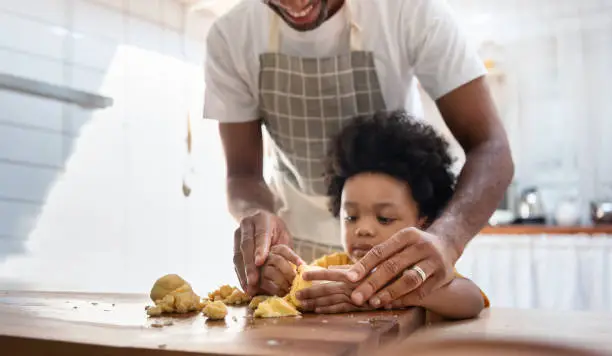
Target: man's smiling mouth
<point x="308" y="15"/>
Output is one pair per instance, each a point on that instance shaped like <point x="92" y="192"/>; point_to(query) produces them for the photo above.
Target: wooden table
<point x="116" y="325"/>
<point x="581" y="329"/>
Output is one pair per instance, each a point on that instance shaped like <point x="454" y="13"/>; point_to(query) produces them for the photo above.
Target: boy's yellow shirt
<point x="341" y="258"/>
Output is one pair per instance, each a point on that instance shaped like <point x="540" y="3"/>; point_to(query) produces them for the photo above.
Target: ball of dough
<point x="165" y="285"/>
<point x="215" y="310"/>
<point x="225" y="291"/>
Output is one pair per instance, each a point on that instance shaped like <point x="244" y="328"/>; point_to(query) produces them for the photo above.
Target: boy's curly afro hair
<point x="395" y="144"/>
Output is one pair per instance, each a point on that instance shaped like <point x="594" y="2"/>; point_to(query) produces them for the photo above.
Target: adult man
<point x="302" y="68"/>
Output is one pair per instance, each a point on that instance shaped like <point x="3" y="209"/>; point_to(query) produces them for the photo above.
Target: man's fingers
<point x="323" y="290"/>
<point x="272" y="273"/>
<point x="241" y="278"/>
<point x="238" y="261"/>
<point x="287" y="253"/>
<point x="406" y="283"/>
<point x="286" y="238"/>
<point x="337" y="275"/>
<point x="282" y="265"/>
<point x="247" y="247"/>
<point x="270" y="288"/>
<point x="416" y="296"/>
<point x="381" y="252"/>
<point x="263" y="238"/>
<point x="387" y="271"/>
<point x="240" y="271"/>
<point x="237" y="241"/>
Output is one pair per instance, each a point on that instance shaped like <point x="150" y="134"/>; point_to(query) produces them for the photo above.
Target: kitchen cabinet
<point x="539" y="267"/>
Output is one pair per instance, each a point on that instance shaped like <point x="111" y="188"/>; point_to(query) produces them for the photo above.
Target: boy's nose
<point x="365" y="230"/>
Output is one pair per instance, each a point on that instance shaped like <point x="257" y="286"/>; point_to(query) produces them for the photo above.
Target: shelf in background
<point x="54" y="92"/>
<point x="546" y="229"/>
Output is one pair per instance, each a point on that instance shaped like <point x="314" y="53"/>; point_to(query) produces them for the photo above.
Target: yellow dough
<point x="172" y="294"/>
<point x="215" y="310"/>
<point x="229" y="295"/>
<point x="289" y="305"/>
<point x="257" y="300"/>
<point x="335" y="259"/>
<point x="166" y="284"/>
<point x="275" y="307"/>
<point x="299" y="283"/>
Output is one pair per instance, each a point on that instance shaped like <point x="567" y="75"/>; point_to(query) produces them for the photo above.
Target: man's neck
<point x="334" y="6"/>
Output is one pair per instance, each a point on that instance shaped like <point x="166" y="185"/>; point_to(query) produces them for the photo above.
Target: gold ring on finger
<point x="420" y="271"/>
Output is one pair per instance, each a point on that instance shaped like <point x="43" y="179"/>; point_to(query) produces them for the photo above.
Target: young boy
<point x="385" y="172"/>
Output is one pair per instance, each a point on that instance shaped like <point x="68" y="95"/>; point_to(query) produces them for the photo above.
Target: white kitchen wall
<point x="92" y="200"/>
<point x="554" y="96"/>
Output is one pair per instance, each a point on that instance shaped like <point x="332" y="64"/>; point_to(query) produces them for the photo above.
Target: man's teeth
<point x="302" y="13"/>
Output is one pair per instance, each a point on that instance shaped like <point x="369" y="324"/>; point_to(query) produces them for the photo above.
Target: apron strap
<point x="355" y="31"/>
<point x="274" y="33"/>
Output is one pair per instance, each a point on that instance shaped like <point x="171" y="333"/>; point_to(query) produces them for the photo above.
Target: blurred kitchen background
<point x="95" y="98"/>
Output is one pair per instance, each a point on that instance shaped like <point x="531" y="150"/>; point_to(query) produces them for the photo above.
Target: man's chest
<point x="392" y="70"/>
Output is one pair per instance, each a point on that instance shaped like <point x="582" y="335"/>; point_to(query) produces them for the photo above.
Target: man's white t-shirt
<point x="410" y="39"/>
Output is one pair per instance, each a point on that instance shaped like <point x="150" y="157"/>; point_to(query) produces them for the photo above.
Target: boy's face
<point x="374" y="207"/>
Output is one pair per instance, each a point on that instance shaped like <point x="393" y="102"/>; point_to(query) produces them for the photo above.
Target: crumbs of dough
<point x="229" y="295"/>
<point x="215" y="310"/>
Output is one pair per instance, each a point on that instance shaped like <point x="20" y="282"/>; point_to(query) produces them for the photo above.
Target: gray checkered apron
<point x="303" y="102"/>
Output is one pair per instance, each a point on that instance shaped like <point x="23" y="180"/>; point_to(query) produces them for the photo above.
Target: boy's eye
<point x="349" y="218"/>
<point x="385" y="221"/>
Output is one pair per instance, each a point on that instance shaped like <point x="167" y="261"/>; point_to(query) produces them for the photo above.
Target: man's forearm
<point x="487" y="172"/>
<point x="247" y="195"/>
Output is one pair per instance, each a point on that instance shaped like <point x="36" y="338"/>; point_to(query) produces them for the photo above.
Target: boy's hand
<point x="277" y="273"/>
<point x="329" y="298"/>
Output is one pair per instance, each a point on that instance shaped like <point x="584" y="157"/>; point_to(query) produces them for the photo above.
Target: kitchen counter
<point x="116" y="325"/>
<point x="546" y="229"/>
<point x="581" y="329"/>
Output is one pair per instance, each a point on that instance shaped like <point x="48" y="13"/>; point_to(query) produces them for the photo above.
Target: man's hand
<point x="385" y="273"/>
<point x="277" y="274"/>
<point x="252" y="242"/>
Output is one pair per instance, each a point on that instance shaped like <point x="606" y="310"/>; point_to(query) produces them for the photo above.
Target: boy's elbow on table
<point x="459" y="299"/>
